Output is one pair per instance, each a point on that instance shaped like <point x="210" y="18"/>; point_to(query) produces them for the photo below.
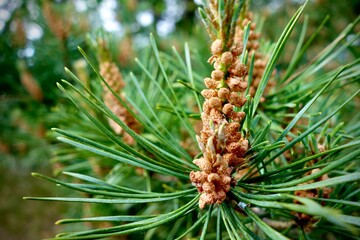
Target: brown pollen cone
<point x="221" y="142"/>
<point x="59" y="24"/>
<point x="113" y="77"/>
<point x="252" y="46"/>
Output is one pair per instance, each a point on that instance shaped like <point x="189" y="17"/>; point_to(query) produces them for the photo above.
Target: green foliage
<point x="302" y="131"/>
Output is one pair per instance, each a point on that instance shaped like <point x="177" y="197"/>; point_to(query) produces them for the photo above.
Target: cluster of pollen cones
<point x="221" y="142"/>
<point x="113" y="77"/>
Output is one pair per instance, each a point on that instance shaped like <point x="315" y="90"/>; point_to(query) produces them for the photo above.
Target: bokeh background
<point x="39" y="38"/>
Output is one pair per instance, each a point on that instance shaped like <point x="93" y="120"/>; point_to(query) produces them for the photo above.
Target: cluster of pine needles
<point x="255" y="151"/>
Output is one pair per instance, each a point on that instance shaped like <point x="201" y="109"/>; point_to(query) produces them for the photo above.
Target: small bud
<point x="257" y="55"/>
<point x="234" y="147"/>
<point x="232" y="128"/>
<point x="203" y="164"/>
<point x="209" y="93"/>
<point x="241" y="116"/>
<point x="245" y="22"/>
<point x="208" y="187"/>
<point x="259" y="63"/>
<point x="228" y="109"/>
<point x="197" y="177"/>
<point x="235" y="160"/>
<point x="215" y="103"/>
<point x="226" y="58"/>
<point x="255" y="46"/>
<point x="244" y="144"/>
<point x="237" y="100"/>
<point x="252" y="36"/>
<point x="213" y="177"/>
<point x="237" y="49"/>
<point x="237" y="116"/>
<point x="226" y="180"/>
<point x="238" y="69"/>
<point x="210" y="83"/>
<point x="253" y="26"/>
<point x="205" y="135"/>
<point x="223" y="93"/>
<point x="202" y="201"/>
<point x="222" y="195"/>
<point x="216" y="116"/>
<point x="217" y="75"/>
<point x="233" y="83"/>
<point x="216" y="47"/>
<point x="243" y="85"/>
<point x="206" y="107"/>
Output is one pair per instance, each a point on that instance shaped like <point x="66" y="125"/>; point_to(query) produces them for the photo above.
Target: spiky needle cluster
<point x="221" y="142"/>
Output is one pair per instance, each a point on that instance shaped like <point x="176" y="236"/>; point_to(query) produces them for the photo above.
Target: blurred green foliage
<point x="34" y="54"/>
